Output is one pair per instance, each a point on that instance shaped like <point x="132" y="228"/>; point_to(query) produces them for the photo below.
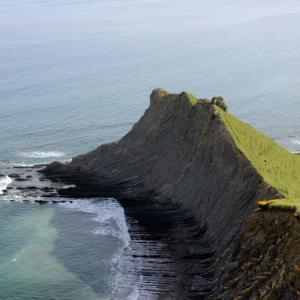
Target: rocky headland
<point x="193" y="154"/>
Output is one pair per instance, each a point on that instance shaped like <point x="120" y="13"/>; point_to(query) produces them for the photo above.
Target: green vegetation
<point x="216" y="100"/>
<point x="287" y="204"/>
<point x="219" y="101"/>
<point x="193" y="100"/>
<point x="293" y="204"/>
<point x="279" y="168"/>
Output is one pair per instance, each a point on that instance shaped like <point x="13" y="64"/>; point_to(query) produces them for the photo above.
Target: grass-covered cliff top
<point x="279" y="168"/>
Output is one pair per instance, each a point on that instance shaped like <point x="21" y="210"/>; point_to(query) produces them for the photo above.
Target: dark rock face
<point x="175" y="263"/>
<point x="265" y="263"/>
<point x="179" y="151"/>
<point x="14" y="175"/>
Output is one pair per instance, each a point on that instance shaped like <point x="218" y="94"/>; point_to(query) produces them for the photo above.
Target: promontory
<point x="233" y="180"/>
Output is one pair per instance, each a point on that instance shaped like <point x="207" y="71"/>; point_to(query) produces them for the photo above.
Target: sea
<point x="75" y="74"/>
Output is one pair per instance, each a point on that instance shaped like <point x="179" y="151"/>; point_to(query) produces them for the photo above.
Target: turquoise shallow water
<point x="63" y="251"/>
<point x="68" y="250"/>
<point x="28" y="266"/>
<point x="75" y="74"/>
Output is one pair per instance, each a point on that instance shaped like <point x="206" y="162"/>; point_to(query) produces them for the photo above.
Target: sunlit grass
<point x="286" y="203"/>
<point x="278" y="167"/>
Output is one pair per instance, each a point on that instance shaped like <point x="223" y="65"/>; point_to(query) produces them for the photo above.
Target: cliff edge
<point x="193" y="153"/>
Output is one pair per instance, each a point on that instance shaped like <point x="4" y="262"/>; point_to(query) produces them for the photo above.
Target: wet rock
<point x="40" y="201"/>
<point x="164" y="255"/>
<point x="21" y="179"/>
<point x="39" y="166"/>
<point x="30" y="188"/>
<point x="47" y="189"/>
<point x="20" y="167"/>
<point x="29" y="176"/>
<point x="49" y="195"/>
<point x="14" y="175"/>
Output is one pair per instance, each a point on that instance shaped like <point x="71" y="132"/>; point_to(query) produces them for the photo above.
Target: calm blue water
<point x="75" y="74"/>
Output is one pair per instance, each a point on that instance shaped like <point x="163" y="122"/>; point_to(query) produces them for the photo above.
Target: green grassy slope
<point x="279" y="168"/>
<point x="293" y="204"/>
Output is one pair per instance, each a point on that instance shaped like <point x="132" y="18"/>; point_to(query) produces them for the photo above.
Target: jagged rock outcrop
<point x="179" y="151"/>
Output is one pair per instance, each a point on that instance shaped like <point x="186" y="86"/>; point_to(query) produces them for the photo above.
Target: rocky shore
<point x="168" y="250"/>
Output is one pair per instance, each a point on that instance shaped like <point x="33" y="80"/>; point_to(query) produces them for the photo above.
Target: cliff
<point x="265" y="261"/>
<point x="195" y="154"/>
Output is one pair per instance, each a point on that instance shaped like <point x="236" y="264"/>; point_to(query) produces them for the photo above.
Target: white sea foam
<point x="109" y="214"/>
<point x="19" y="197"/>
<point x="295" y="142"/>
<point x="4" y="182"/>
<point x="41" y="154"/>
<point x="23" y="165"/>
<point x="111" y="218"/>
<point x="12" y="164"/>
<point x="134" y="295"/>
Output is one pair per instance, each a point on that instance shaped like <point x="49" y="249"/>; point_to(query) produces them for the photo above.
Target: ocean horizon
<point x="77" y="74"/>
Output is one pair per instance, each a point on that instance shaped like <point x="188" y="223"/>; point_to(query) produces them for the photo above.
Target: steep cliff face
<point x="180" y="150"/>
<point x="196" y="155"/>
<point x="265" y="263"/>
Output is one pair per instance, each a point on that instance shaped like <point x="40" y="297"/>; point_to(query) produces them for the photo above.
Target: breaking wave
<point x="108" y="213"/>
<point x="41" y="154"/>
<point x="295" y="142"/>
<point x="4" y="182"/>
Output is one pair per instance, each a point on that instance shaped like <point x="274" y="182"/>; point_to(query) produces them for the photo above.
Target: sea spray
<point x="295" y="142"/>
<point x="4" y="182"/>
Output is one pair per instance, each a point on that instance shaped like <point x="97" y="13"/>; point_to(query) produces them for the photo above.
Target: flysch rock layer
<point x="179" y="151"/>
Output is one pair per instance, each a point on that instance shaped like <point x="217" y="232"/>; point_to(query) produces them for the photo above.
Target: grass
<point x="278" y="167"/>
<point x="193" y="100"/>
<point x="286" y="203"/>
